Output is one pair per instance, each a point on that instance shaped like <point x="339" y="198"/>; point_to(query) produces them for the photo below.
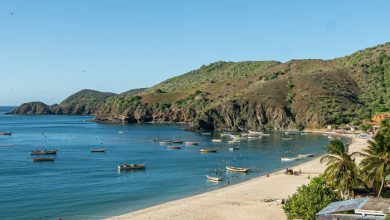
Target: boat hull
<point x="237" y="169"/>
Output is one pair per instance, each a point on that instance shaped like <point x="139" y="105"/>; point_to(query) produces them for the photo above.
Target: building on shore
<point x="353" y="209"/>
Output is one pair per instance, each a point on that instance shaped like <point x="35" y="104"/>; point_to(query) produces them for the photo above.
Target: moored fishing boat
<point x="237" y="169"/>
<point x="165" y="142"/>
<point x="174" y="147"/>
<point x="216" y="140"/>
<point x="234" y="142"/>
<point x="305" y="155"/>
<point x="208" y="150"/>
<point x="5" y="133"/>
<point x="176" y="142"/>
<point x="43" y="159"/>
<point x="131" y="166"/>
<point x="289" y="158"/>
<point x="97" y="150"/>
<point x="214" y="179"/>
<point x="225" y="134"/>
<point x="233" y="148"/>
<point x="255" y="132"/>
<point x="43" y="152"/>
<point x="191" y="143"/>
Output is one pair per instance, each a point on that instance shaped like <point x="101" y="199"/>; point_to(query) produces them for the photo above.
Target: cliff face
<point x="264" y="95"/>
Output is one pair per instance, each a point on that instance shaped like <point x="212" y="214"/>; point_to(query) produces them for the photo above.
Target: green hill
<point x="84" y="102"/>
<point x="264" y="94"/>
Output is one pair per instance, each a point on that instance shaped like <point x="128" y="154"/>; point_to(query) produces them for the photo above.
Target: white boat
<point x="265" y="135"/>
<point x="234" y="136"/>
<point x="289" y="158"/>
<point x="253" y="138"/>
<point x="234" y="142"/>
<point x="121" y="132"/>
<point x="165" y="142"/>
<point x="233" y="148"/>
<point x="206" y="133"/>
<point x="239" y="138"/>
<point x="214" y="179"/>
<point x="191" y="143"/>
<point x="216" y="140"/>
<point x="255" y="132"/>
<point x="237" y="169"/>
<point x="225" y="134"/>
<point x="286" y="139"/>
<point x="305" y="155"/>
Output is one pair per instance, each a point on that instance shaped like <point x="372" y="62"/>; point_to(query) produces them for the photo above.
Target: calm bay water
<point x="82" y="185"/>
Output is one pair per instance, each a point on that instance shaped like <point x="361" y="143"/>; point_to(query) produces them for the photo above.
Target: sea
<point x="84" y="185"/>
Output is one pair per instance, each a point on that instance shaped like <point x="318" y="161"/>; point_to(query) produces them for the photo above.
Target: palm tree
<point x="376" y="162"/>
<point x="341" y="169"/>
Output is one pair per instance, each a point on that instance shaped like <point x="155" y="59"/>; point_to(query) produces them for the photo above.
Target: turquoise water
<point x="82" y="185"/>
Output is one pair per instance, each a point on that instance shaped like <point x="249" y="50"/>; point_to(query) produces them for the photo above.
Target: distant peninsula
<point x="249" y="95"/>
<point x="84" y="102"/>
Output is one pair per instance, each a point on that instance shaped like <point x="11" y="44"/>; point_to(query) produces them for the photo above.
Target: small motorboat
<point x="102" y="150"/>
<point x="234" y="142"/>
<point x="176" y="142"/>
<point x="305" y="155"/>
<point x="165" y="142"/>
<point x="206" y="133"/>
<point x="43" y="159"/>
<point x="216" y="140"/>
<point x="208" y="150"/>
<point x="131" y="166"/>
<point x="286" y="139"/>
<point x="174" y="147"/>
<point x="122" y="132"/>
<point x="289" y="158"/>
<point x="237" y="169"/>
<point x="233" y="148"/>
<point x="5" y="133"/>
<point x="255" y="132"/>
<point x="265" y="135"/>
<point x="225" y="134"/>
<point x="214" y="179"/>
<point x="191" y="143"/>
<point x="43" y="152"/>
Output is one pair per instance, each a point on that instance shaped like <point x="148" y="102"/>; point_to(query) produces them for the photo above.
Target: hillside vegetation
<point x="84" y="102"/>
<point x="265" y="94"/>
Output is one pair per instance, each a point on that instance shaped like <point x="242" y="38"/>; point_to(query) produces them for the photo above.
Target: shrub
<point x="310" y="199"/>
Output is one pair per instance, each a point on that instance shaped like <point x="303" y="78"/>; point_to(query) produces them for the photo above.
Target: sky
<point x="51" y="49"/>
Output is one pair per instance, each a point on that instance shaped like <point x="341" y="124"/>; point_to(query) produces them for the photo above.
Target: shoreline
<point x="243" y="200"/>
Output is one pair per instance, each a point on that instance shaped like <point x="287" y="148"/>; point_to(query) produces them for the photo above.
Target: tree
<point x="376" y="162"/>
<point x="341" y="169"/>
<point x="310" y="199"/>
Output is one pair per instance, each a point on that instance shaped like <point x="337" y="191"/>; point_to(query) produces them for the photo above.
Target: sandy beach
<point x="241" y="201"/>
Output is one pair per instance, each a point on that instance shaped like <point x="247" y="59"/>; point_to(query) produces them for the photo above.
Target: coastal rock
<point x="33" y="108"/>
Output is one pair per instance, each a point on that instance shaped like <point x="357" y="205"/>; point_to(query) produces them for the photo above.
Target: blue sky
<point x="51" y="49"/>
